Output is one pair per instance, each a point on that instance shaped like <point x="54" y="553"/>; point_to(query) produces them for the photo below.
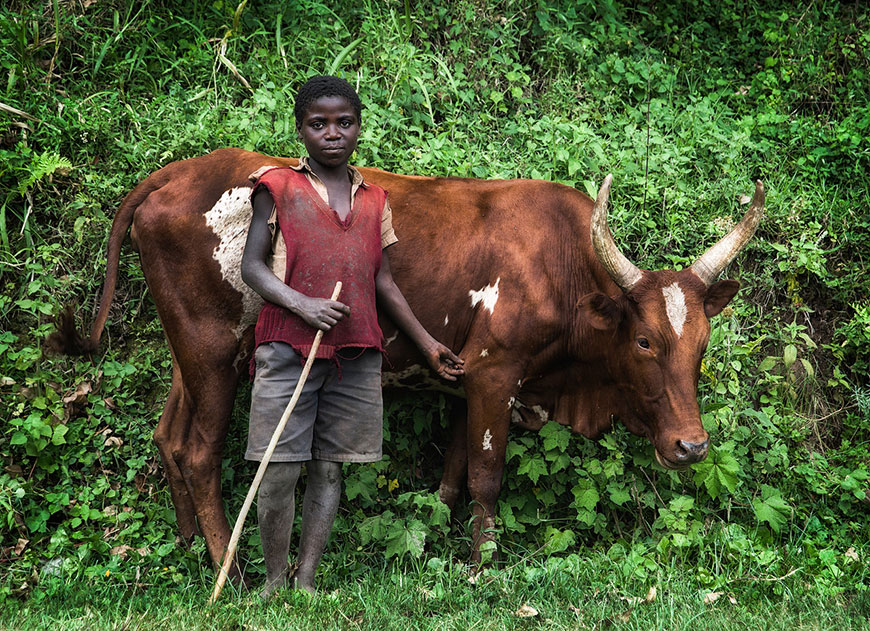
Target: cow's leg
<point x="200" y="456"/>
<point x="456" y="458"/>
<point x="490" y="397"/>
<point x="169" y="435"/>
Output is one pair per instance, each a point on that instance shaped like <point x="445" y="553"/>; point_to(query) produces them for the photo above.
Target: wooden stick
<point x="240" y="521"/>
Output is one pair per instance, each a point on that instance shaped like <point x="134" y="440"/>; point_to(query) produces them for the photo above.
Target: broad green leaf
<point x="57" y="437"/>
<point x="362" y="484"/>
<point x="789" y="355"/>
<point x="514" y="449"/>
<point x="406" y="538"/>
<point x="682" y="504"/>
<point x="375" y="528"/>
<point x="718" y="472"/>
<point x="618" y="494"/>
<point x="559" y="462"/>
<point x="534" y="467"/>
<point x="558" y="540"/>
<point x="774" y="510"/>
<point x="556" y="437"/>
<point x="585" y="497"/>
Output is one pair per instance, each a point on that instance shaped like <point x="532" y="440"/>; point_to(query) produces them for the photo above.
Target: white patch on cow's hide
<point x="675" y="305"/>
<point x="511" y="402"/>
<point x="446" y="319"/>
<point x="516" y="417"/>
<point x="488" y="296"/>
<point x="541" y="412"/>
<point x="391" y="339"/>
<point x="487" y="441"/>
<point x="484" y="353"/>
<point x="229" y="218"/>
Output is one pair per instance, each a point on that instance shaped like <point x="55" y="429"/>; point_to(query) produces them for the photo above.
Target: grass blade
<point x="342" y="55"/>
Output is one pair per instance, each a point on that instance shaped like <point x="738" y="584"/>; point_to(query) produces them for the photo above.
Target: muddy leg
<point x="276" y="509"/>
<point x="322" y="494"/>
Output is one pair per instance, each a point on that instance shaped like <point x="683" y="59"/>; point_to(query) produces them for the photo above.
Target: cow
<point x="521" y="278"/>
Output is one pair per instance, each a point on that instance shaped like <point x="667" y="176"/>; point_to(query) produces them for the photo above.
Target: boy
<point x="336" y="227"/>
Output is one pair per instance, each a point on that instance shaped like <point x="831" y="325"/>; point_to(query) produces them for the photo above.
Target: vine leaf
<point x="771" y="508"/>
<point x="719" y="471"/>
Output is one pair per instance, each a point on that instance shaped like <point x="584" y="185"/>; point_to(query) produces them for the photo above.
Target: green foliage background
<point x="686" y="103"/>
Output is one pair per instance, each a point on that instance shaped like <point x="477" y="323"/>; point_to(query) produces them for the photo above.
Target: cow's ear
<point x="599" y="311"/>
<point x="718" y="295"/>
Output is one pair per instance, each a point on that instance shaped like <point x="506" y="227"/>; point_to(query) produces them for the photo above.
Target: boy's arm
<point x="320" y="313"/>
<point x="390" y="299"/>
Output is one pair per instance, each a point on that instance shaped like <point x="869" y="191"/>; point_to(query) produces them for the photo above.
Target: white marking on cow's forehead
<point x="487" y="440"/>
<point x="487" y="295"/>
<point x="229" y="218"/>
<point x="675" y="305"/>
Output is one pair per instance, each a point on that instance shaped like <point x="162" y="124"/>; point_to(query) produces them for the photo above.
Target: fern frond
<point x="44" y="166"/>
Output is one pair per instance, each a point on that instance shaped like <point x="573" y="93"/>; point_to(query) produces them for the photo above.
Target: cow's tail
<point x="66" y="339"/>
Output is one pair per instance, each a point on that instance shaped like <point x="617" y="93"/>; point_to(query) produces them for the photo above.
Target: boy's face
<point x="329" y="130"/>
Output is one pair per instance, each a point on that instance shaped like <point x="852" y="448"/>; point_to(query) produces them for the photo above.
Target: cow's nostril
<point x="691" y="452"/>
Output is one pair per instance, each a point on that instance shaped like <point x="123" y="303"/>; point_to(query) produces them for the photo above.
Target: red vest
<point x="321" y="250"/>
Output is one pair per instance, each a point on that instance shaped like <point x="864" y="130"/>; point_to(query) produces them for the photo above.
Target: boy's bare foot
<point x="303" y="582"/>
<point x="284" y="579"/>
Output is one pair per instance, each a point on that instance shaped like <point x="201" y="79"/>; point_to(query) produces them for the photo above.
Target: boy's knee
<point x="324" y="472"/>
<point x="280" y="478"/>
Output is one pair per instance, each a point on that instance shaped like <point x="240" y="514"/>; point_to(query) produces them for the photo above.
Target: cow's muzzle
<point x="685" y="454"/>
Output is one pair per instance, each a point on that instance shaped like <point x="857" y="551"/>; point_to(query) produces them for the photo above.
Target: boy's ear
<point x="298" y="132"/>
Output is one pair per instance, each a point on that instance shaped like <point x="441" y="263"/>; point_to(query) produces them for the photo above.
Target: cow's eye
<point x="643" y="343"/>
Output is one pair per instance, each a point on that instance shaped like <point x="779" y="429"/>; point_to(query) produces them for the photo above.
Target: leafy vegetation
<point x="685" y="103"/>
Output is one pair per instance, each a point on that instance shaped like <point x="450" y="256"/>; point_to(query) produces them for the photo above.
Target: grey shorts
<point x="340" y="420"/>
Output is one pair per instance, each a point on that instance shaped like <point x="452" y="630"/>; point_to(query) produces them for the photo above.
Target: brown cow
<point x="521" y="278"/>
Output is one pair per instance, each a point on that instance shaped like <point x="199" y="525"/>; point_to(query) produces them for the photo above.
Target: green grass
<point x="588" y="595"/>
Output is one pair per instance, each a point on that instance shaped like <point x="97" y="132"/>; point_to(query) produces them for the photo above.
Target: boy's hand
<point x="322" y="313"/>
<point x="445" y="362"/>
<point x="253" y="177"/>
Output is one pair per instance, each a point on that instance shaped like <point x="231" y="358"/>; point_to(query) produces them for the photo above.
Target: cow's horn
<point x="714" y="260"/>
<point x="623" y="272"/>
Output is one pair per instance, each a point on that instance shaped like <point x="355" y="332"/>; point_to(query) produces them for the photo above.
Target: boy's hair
<point x="320" y="86"/>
